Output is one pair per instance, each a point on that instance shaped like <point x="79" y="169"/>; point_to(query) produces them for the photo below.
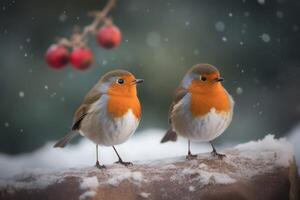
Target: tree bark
<point x="241" y="175"/>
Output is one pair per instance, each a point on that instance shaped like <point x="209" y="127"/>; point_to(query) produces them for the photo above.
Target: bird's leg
<point x="190" y="156"/>
<point x="120" y="159"/>
<point x="215" y="153"/>
<point x="97" y="161"/>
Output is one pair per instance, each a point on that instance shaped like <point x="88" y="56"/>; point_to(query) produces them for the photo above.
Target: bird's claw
<point x="99" y="166"/>
<point x="124" y="163"/>
<point x="191" y="156"/>
<point x="220" y="156"/>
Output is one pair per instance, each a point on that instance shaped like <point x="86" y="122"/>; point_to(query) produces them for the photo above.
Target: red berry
<point x="81" y="58"/>
<point x="109" y="36"/>
<point x="57" y="56"/>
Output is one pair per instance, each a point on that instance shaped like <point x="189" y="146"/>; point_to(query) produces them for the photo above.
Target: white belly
<point x="102" y="129"/>
<point x="205" y="128"/>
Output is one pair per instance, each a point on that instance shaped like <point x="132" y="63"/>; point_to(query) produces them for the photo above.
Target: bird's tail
<point x="64" y="141"/>
<point x="169" y="136"/>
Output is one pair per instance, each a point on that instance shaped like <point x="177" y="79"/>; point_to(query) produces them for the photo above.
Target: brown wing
<point x="92" y="96"/>
<point x="179" y="94"/>
<point x="171" y="135"/>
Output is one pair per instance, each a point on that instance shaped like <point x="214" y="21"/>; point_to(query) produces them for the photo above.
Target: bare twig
<point x="80" y="39"/>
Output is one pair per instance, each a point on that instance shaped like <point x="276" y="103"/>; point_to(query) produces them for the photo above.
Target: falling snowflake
<point x="187" y="23"/>
<point x="6" y="124"/>
<point x="53" y="95"/>
<point x="21" y="94"/>
<point x="220" y="26"/>
<point x="196" y="52"/>
<point x="295" y="28"/>
<point x="266" y="37"/>
<point x="279" y="14"/>
<point x="63" y="17"/>
<point x="46" y="87"/>
<point x="261" y="1"/>
<point x="246" y="14"/>
<point x="104" y="62"/>
<point x="224" y="39"/>
<point x="239" y="90"/>
<point x="153" y="39"/>
<point x="230" y="14"/>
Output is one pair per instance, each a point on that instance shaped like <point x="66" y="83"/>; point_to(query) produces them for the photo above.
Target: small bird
<point x="109" y="113"/>
<point x="202" y="108"/>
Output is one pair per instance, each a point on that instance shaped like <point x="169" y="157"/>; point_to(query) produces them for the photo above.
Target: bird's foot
<point x="99" y="166"/>
<point x="220" y="156"/>
<point x="124" y="163"/>
<point x="191" y="156"/>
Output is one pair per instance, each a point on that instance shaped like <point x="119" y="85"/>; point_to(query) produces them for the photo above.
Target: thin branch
<point x="80" y="39"/>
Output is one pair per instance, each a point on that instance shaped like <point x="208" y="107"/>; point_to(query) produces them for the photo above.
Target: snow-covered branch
<point x="264" y="169"/>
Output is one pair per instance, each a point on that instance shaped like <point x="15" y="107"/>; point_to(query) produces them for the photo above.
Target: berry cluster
<point x="75" y="50"/>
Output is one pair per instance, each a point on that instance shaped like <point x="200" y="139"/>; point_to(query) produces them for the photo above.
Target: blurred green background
<point x="255" y="45"/>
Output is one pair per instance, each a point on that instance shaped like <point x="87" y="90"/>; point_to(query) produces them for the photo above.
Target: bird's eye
<point x="203" y="78"/>
<point x="120" y="81"/>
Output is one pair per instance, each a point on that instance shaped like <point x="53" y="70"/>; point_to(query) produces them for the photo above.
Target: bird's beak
<point x="137" y="81"/>
<point x="219" y="79"/>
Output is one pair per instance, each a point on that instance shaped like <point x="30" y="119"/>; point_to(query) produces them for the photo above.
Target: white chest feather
<point x="103" y="129"/>
<point x="205" y="128"/>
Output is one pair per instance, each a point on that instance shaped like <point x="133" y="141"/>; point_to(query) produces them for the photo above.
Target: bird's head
<point x="202" y="77"/>
<point x="118" y="83"/>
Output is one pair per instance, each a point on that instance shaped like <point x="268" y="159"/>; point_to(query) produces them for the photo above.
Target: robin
<point x="109" y="113"/>
<point x="202" y="108"/>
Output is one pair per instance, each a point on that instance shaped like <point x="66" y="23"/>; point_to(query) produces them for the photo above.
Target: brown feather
<point x="169" y="136"/>
<point x="179" y="94"/>
<point x="172" y="135"/>
<point x="64" y="141"/>
<point x="92" y="96"/>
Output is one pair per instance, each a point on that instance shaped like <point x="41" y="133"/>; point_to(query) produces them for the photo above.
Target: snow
<point x="191" y="188"/>
<point x="145" y="195"/>
<point x="142" y="147"/>
<point x="239" y="90"/>
<point x="49" y="165"/>
<point x="266" y="37"/>
<point x="21" y="94"/>
<point x="153" y="39"/>
<point x="87" y="195"/>
<point x="268" y="144"/>
<point x="279" y="14"/>
<point x="89" y="182"/>
<point x="118" y="175"/>
<point x="6" y="124"/>
<point x="204" y="176"/>
<point x="220" y="26"/>
<point x="261" y="1"/>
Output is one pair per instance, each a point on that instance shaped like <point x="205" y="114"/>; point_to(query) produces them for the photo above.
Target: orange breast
<point x="202" y="103"/>
<point x="118" y="106"/>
